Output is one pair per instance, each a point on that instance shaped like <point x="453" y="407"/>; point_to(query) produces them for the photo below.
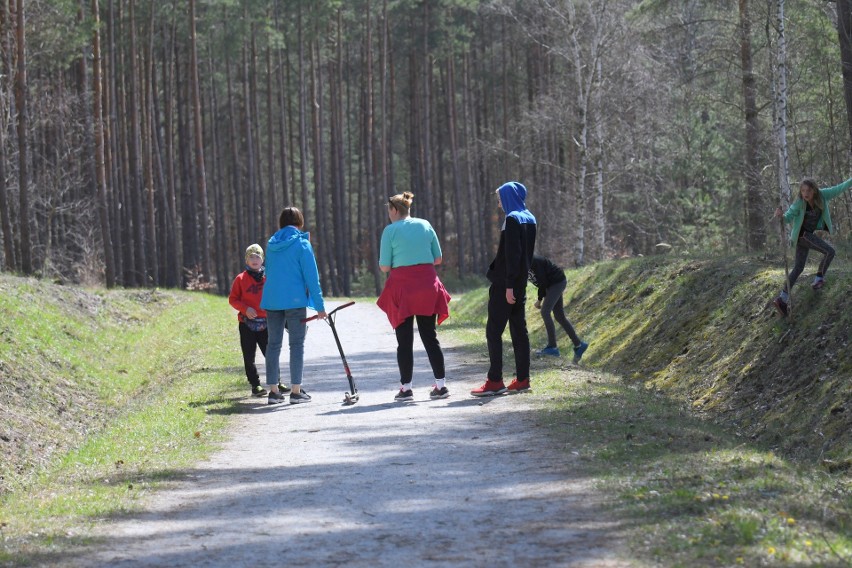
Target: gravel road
<point x="454" y="482"/>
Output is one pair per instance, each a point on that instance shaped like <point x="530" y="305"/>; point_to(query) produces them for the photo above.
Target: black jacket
<point x="543" y="274"/>
<point x="510" y="267"/>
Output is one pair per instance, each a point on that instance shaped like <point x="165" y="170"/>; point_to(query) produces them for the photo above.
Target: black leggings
<point x="806" y="242"/>
<point x="405" y="347"/>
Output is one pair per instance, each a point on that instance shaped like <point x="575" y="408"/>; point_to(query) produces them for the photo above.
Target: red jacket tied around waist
<point x="414" y="291"/>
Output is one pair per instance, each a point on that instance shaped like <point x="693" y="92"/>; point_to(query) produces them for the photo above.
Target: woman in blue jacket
<point x="809" y="213"/>
<point x="292" y="286"/>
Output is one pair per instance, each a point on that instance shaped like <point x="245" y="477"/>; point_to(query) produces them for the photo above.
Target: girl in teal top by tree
<point x="809" y="213"/>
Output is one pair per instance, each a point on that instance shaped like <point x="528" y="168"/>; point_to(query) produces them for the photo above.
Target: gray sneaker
<point x="275" y="398"/>
<point x="300" y="397"/>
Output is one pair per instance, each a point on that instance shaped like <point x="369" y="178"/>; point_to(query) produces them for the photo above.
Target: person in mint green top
<point x="413" y="291"/>
<point x="407" y="242"/>
<point x="808" y="214"/>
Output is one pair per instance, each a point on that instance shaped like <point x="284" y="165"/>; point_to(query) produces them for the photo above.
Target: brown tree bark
<point x="756" y="233"/>
<point x="100" y="165"/>
<point x="198" y="139"/>
<point x="21" y="96"/>
<point x="372" y="199"/>
<point x="251" y="190"/>
<point x="10" y="258"/>
<point x="140" y="272"/>
<point x="844" y="32"/>
<point x="148" y="127"/>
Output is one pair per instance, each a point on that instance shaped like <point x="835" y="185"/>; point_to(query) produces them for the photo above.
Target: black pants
<point x="500" y="313"/>
<point x="405" y="347"/>
<point x="806" y="242"/>
<point x="249" y="342"/>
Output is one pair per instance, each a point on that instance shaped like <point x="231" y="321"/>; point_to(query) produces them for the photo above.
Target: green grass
<point x="138" y="386"/>
<point x="694" y="481"/>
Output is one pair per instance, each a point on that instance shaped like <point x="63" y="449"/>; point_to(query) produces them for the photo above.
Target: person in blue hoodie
<point x="507" y="293"/>
<point x="292" y="286"/>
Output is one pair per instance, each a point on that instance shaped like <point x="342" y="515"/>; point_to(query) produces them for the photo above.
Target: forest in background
<point x="148" y="142"/>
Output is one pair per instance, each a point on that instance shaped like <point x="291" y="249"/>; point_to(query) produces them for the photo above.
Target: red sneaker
<point x="517" y="386"/>
<point x="490" y="388"/>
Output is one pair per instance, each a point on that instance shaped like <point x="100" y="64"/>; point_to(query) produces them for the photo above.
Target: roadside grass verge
<point x="135" y="386"/>
<point x="688" y="491"/>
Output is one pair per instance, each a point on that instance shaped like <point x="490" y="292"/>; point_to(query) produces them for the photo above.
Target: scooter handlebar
<point x="315" y="316"/>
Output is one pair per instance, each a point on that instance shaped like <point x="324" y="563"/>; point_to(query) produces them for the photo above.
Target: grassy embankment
<point x="723" y="433"/>
<point x="726" y="441"/>
<point x="104" y="396"/>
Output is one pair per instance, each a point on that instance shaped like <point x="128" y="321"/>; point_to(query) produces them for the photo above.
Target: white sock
<point x="405" y="387"/>
<point x="440" y="383"/>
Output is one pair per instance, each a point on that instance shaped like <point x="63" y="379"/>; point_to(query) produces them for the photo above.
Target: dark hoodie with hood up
<point x="517" y="240"/>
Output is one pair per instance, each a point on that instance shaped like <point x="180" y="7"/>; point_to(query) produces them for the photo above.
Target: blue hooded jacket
<point x="510" y="267"/>
<point x="292" y="278"/>
<point x="513" y="195"/>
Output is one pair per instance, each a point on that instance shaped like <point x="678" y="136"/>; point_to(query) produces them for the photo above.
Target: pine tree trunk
<point x="200" y="174"/>
<point x="21" y="96"/>
<point x="173" y="255"/>
<point x="458" y="214"/>
<point x="373" y="191"/>
<point x="754" y="217"/>
<point x="251" y="190"/>
<point x="100" y="166"/>
<point x="303" y="118"/>
<point x="320" y="199"/>
<point x="237" y="190"/>
<point x="10" y="258"/>
<point x="140" y="266"/>
<point x="148" y="127"/>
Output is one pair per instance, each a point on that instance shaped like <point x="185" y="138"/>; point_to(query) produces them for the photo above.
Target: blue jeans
<point x="276" y="322"/>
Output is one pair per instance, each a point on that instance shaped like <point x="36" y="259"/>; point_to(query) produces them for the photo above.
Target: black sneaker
<point x="404" y="395"/>
<point x="300" y="397"/>
<point x="781" y="306"/>
<point x="258" y="391"/>
<point x="283" y="388"/>
<point x="275" y="398"/>
<point x="439" y="393"/>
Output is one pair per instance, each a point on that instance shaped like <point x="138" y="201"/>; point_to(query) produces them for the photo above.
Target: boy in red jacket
<point x="245" y="296"/>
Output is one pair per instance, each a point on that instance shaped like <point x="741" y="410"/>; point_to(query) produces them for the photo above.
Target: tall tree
<point x="198" y="139"/>
<point x="751" y="166"/>
<point x="100" y="165"/>
<point x="844" y="31"/>
<point x="21" y="98"/>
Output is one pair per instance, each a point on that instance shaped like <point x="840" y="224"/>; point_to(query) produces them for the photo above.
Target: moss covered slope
<point x="702" y="330"/>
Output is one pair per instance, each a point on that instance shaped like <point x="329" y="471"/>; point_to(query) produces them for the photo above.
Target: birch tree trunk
<point x="785" y="193"/>
<point x="599" y="216"/>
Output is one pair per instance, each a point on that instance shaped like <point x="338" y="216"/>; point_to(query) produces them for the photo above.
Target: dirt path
<point x="454" y="482"/>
